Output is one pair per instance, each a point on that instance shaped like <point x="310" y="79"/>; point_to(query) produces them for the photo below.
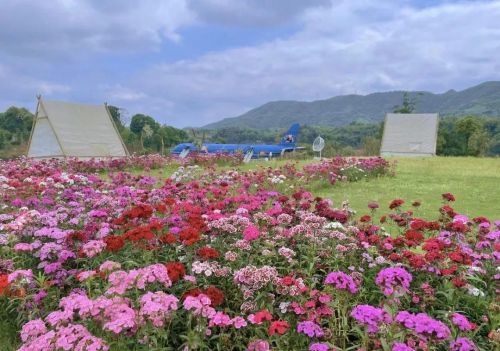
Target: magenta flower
<point x="319" y="346"/>
<point x="259" y="345"/>
<point x="251" y="233"/>
<point x="423" y="325"/>
<point x="461" y="322"/>
<point x="33" y="329"/>
<point x="398" y="346"/>
<point x="393" y="280"/>
<point x="341" y="281"/>
<point x="463" y="344"/>
<point x="309" y="328"/>
<point x="372" y="317"/>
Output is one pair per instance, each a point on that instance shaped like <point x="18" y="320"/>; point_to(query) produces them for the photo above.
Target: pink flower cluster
<point x="156" y="307"/>
<point x="36" y="337"/>
<point x="372" y="317"/>
<point x="423" y="325"/>
<point x="121" y="281"/>
<point x="341" y="281"/>
<point x="394" y="280"/>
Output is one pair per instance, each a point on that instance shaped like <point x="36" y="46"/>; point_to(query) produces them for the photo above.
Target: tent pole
<point x="38" y="97"/>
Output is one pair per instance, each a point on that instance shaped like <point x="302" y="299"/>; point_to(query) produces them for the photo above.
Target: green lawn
<point x="475" y="182"/>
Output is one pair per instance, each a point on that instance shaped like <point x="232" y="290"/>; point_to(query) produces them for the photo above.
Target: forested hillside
<point x="481" y="100"/>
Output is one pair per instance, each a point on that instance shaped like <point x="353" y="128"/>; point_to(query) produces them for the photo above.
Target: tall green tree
<point x="407" y="106"/>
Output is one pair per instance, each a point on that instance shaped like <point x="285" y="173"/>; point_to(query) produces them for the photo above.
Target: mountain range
<point x="480" y="100"/>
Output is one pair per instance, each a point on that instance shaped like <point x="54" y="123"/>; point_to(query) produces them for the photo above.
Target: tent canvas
<point x="63" y="129"/>
<point x="410" y="134"/>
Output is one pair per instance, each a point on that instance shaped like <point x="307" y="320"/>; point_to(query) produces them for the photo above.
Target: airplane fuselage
<point x="258" y="149"/>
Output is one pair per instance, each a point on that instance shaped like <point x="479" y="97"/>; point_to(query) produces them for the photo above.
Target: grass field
<point x="475" y="182"/>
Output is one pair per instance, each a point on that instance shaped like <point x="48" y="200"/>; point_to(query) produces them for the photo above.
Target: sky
<point x="193" y="62"/>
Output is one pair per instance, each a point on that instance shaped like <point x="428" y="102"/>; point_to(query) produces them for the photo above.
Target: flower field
<point x="101" y="255"/>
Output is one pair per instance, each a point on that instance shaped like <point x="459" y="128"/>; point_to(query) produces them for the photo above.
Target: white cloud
<point x="354" y="47"/>
<point x="124" y="95"/>
<point x="71" y="28"/>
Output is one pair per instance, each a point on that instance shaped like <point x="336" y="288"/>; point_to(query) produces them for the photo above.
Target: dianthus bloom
<point x="462" y="322"/>
<point x="200" y="305"/>
<point x="22" y="274"/>
<point x="309" y="328"/>
<point x="372" y="317"/>
<point x="398" y="346"/>
<point x="259" y="345"/>
<point x="396" y="203"/>
<point x="341" y="281"/>
<point x="448" y="197"/>
<point x="251" y="233"/>
<point x="463" y="344"/>
<point x="279" y="327"/>
<point x="93" y="247"/>
<point x="207" y="253"/>
<point x="393" y="280"/>
<point x="319" y="346"/>
<point x="423" y="325"/>
<point x="33" y="329"/>
<point x="176" y="270"/>
<point x="4" y="283"/>
<point x="156" y="307"/>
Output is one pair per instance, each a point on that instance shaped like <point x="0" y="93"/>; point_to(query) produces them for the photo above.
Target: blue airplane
<point x="288" y="144"/>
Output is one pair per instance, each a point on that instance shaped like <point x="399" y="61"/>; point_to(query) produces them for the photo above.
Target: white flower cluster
<point x="185" y="173"/>
<point x="334" y="226"/>
<point x="277" y="179"/>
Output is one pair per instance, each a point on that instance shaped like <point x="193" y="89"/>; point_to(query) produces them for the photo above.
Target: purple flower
<point x="461" y="322"/>
<point x="398" y="346"/>
<point x="423" y="325"/>
<point x="393" y="280"/>
<point x="341" y="281"/>
<point x="372" y="317"/>
<point x="309" y="328"/>
<point x="319" y="346"/>
<point x="463" y="344"/>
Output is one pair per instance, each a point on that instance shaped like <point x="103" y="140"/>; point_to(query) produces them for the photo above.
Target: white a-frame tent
<point x="410" y="134"/>
<point x="63" y="129"/>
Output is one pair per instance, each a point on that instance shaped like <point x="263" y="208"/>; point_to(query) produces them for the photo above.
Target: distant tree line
<point x="457" y="136"/>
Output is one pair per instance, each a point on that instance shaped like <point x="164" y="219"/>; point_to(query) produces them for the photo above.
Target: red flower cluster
<point x="168" y="238"/>
<point x="448" y="197"/>
<point x="139" y="233"/>
<point x="207" y="253"/>
<point x="176" y="271"/>
<point x="138" y="211"/>
<point x="189" y="236"/>
<point x="262" y="316"/>
<point x="4" y="283"/>
<point x="215" y="294"/>
<point x="365" y="218"/>
<point x="396" y="203"/>
<point x="114" y="243"/>
<point x="279" y="327"/>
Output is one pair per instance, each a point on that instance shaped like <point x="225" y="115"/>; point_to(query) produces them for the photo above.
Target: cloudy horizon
<point x="190" y="63"/>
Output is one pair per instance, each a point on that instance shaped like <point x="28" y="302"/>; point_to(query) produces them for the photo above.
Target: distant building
<point x="410" y="134"/>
